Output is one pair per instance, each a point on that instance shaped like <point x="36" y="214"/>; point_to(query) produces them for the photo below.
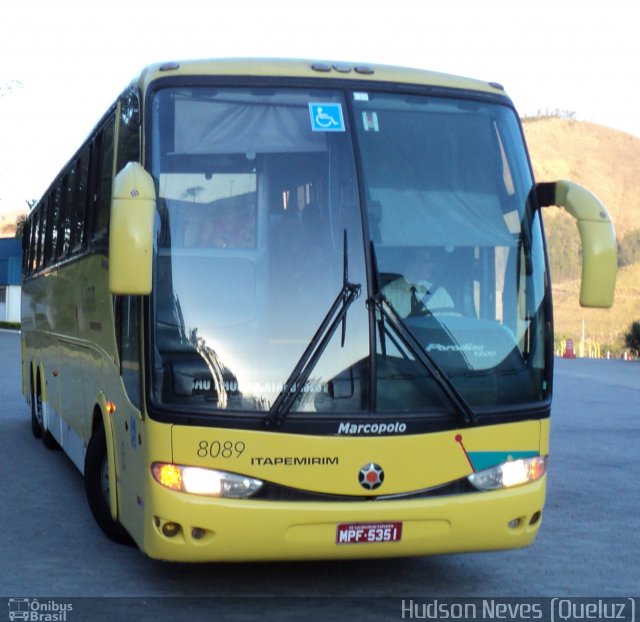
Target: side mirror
<point x="131" y="231"/>
<point x="597" y="235"/>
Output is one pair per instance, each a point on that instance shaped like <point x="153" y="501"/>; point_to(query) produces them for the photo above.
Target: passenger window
<point x="105" y="180"/>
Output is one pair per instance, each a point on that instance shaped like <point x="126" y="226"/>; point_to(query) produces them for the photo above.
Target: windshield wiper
<point x="389" y="314"/>
<point x="337" y="314"/>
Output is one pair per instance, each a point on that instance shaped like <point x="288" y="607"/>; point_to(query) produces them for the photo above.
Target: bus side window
<point x="58" y="222"/>
<point x="50" y="233"/>
<point x="40" y="216"/>
<point x="68" y="210"/>
<point x="33" y="233"/>
<point x="104" y="181"/>
<point x="127" y="316"/>
<point x="81" y="198"/>
<point x="26" y="237"/>
<point x="128" y="129"/>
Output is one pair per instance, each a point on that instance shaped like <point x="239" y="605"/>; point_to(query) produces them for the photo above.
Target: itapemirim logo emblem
<point x="371" y="476"/>
<point x="35" y="610"/>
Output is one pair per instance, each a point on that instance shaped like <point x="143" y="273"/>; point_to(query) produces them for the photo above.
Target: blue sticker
<point x="326" y="117"/>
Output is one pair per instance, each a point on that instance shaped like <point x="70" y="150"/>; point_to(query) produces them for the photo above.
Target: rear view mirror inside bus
<point x="131" y="231"/>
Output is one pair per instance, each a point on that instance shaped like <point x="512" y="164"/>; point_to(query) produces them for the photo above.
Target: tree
<point x="193" y="192"/>
<point x="22" y="219"/>
<point x="632" y="338"/>
<point x="20" y="222"/>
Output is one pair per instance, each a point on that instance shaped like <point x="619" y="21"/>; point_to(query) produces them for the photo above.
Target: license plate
<point x="368" y="533"/>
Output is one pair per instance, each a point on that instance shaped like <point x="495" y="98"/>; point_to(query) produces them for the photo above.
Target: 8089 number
<point x="220" y="449"/>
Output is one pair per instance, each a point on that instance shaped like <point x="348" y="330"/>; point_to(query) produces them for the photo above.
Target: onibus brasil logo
<point x="36" y="610"/>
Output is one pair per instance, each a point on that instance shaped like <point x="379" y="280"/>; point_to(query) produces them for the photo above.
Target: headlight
<point x="509" y="474"/>
<point x="209" y="482"/>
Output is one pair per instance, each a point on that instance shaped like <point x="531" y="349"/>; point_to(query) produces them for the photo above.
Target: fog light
<point x="169" y="530"/>
<point x="197" y="533"/>
<point x="514" y="524"/>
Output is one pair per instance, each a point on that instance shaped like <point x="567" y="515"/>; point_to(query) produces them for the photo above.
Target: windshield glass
<point x="459" y="255"/>
<point x="254" y="202"/>
<point x="259" y="214"/>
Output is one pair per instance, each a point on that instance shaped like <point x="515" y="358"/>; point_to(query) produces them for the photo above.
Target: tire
<point x="47" y="438"/>
<point x="96" y="484"/>
<point x="36" y="424"/>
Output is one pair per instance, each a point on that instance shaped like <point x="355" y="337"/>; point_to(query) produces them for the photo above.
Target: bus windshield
<point x="259" y="190"/>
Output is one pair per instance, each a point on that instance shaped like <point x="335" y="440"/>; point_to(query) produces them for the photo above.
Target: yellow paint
<point x="598" y="238"/>
<point x="302" y="68"/>
<point x="330" y="464"/>
<point x="245" y="530"/>
<point x="131" y="231"/>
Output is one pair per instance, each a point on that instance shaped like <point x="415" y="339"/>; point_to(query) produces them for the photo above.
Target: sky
<point x="63" y="62"/>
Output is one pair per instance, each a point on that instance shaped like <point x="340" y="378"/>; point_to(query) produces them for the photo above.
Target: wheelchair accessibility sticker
<point x="326" y="117"/>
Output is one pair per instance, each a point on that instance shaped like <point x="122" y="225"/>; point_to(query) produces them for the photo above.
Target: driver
<point x="415" y="293"/>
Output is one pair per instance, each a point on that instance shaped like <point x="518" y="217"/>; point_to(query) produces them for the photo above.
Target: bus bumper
<point x="182" y="527"/>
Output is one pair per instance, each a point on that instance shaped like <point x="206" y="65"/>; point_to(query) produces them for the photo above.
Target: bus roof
<point x="297" y="68"/>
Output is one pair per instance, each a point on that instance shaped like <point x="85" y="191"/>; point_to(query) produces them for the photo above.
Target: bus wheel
<point x="96" y="484"/>
<point x="36" y="416"/>
<point x="47" y="438"/>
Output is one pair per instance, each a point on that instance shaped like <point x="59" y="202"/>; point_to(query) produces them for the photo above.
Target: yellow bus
<point x="301" y="310"/>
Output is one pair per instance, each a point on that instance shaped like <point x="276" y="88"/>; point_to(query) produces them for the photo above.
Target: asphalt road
<point x="52" y="551"/>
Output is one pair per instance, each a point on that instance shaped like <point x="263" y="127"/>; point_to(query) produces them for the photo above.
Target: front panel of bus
<point x="348" y="336"/>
